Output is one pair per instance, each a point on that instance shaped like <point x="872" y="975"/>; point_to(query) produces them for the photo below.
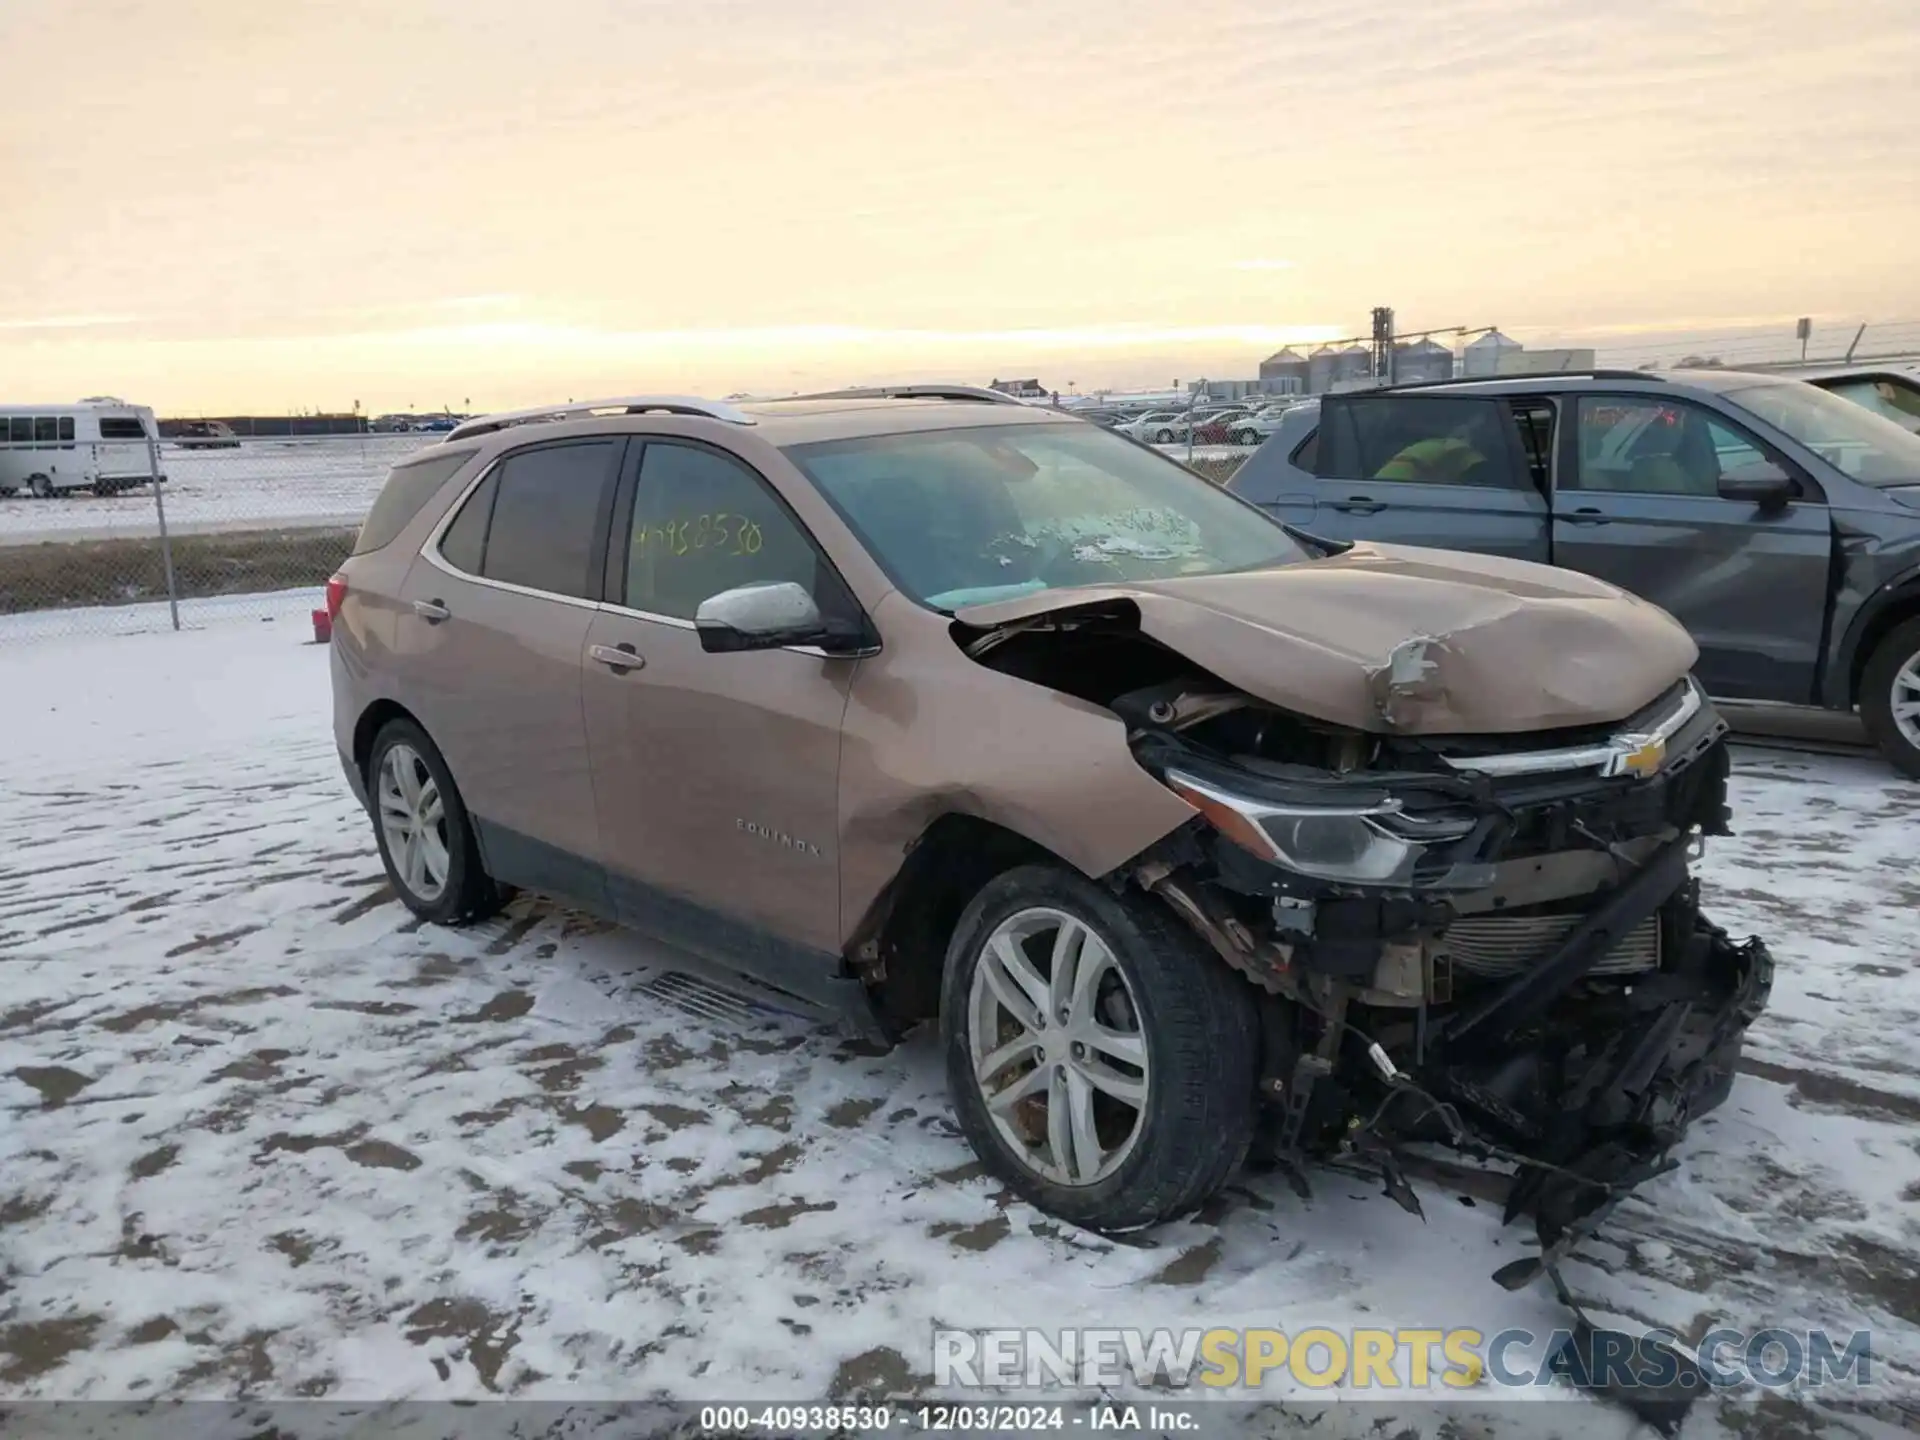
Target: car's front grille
<point x="1497" y="946"/>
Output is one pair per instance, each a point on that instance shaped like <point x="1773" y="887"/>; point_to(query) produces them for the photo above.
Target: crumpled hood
<point x="1393" y="638"/>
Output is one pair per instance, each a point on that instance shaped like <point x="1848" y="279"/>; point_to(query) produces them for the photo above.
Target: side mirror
<point x="765" y="616"/>
<point x="1763" y="483"/>
<point x="770" y="616"/>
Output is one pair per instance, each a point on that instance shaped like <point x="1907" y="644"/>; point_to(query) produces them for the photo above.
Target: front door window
<point x="1645" y="445"/>
<point x="703" y="523"/>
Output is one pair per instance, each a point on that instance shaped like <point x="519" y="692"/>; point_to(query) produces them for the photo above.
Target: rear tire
<point x="426" y="838"/>
<point x="1890" y="696"/>
<point x="1163" y="437"/>
<point x="1142" y="984"/>
<point x="40" y="486"/>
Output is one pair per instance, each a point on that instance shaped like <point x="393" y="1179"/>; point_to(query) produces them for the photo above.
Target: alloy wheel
<point x="413" y="821"/>
<point x="1906" y="701"/>
<point x="1057" y="1047"/>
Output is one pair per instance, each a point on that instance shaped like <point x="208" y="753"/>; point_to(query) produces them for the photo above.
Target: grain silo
<point x="1320" y="370"/>
<point x="1422" y="361"/>
<point x="1353" y="363"/>
<point x="1286" y="364"/>
<point x="1483" y="356"/>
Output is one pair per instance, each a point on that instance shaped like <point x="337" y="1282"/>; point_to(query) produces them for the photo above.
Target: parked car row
<point x="1210" y="424"/>
<point x="1777" y="519"/>
<point x="414" y="424"/>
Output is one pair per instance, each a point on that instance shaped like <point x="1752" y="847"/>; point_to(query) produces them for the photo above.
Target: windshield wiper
<point x="1317" y="542"/>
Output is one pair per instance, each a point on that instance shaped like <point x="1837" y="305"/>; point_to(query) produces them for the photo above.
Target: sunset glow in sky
<point x="274" y="204"/>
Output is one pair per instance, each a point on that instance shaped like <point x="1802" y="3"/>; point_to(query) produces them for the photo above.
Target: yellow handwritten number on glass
<point x="696" y="532"/>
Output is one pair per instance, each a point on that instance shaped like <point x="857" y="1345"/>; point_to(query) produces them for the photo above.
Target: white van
<point x="97" y="445"/>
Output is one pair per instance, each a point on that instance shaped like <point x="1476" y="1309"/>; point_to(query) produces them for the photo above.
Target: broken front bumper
<point x="1587" y="1095"/>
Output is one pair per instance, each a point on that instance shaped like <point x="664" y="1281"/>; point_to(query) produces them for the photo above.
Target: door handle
<point x="1589" y="515"/>
<point x="618" y="658"/>
<point x="431" y="611"/>
<point x="1359" y="505"/>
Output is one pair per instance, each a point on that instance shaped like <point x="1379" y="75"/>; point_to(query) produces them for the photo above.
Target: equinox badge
<point x="777" y="837"/>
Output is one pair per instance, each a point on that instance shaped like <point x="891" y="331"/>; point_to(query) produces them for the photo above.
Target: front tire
<point x="427" y="840"/>
<point x="1163" y="437"/>
<point x="1890" y="696"/>
<point x="41" y="487"/>
<point x="1102" y="1060"/>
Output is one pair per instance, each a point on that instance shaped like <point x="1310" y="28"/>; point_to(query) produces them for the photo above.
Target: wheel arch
<point x="372" y="721"/>
<point x="899" y="948"/>
<point x="1900" y="603"/>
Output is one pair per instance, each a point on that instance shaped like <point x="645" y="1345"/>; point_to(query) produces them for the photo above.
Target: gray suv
<point x="1779" y="523"/>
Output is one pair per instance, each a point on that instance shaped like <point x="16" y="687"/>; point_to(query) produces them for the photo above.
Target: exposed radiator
<point x="1500" y="945"/>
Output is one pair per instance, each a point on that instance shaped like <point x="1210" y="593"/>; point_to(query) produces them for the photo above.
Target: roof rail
<point x="915" y="392"/>
<point x="1590" y="374"/>
<point x="628" y="405"/>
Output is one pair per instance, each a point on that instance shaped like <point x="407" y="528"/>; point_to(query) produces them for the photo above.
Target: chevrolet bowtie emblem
<point x="1644" y="760"/>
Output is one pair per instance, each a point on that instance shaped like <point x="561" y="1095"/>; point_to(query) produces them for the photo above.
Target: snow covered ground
<point x="260" y="607"/>
<point x="266" y="1136"/>
<point x="317" y="480"/>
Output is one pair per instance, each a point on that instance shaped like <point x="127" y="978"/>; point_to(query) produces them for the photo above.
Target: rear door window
<point x="1418" y="440"/>
<point x="547" y="518"/>
<point x="408" y="487"/>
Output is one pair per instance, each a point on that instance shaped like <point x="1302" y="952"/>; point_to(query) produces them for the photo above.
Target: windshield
<point x="962" y="517"/>
<point x="1897" y="400"/>
<point x="1869" y="447"/>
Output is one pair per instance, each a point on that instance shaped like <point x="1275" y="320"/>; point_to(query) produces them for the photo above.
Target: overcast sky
<point x="274" y="203"/>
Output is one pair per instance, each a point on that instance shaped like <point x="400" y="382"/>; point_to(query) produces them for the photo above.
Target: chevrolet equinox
<point x="1193" y="832"/>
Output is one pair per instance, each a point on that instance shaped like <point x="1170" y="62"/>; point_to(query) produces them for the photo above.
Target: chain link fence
<point x="234" y="527"/>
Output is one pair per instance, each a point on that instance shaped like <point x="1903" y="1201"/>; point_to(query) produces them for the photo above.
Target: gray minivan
<point x="1779" y="523"/>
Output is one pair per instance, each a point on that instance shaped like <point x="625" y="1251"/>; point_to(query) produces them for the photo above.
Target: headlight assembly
<point x="1326" y="842"/>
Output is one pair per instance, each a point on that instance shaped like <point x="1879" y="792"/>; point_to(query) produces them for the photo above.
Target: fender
<point x="924" y="737"/>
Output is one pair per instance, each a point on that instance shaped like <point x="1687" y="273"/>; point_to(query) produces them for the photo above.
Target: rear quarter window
<point x="408" y="488"/>
<point x="121" y="427"/>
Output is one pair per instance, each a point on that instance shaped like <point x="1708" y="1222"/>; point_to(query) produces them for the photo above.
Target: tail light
<point x="336" y="595"/>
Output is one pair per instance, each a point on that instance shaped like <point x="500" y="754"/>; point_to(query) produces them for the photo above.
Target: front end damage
<point x="1490" y="943"/>
<point x="1486" y="940"/>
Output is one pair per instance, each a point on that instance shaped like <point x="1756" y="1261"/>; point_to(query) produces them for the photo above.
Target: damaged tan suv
<point x="1194" y="833"/>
